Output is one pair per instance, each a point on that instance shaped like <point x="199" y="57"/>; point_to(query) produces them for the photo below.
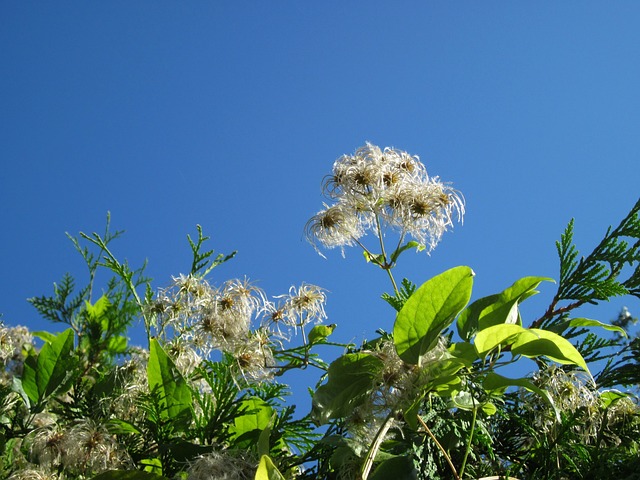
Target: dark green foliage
<point x="441" y="410"/>
<point x="596" y="277"/>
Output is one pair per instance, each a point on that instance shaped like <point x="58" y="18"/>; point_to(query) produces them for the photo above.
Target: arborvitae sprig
<point x="398" y="300"/>
<point x="596" y="277"/>
<point x="201" y="261"/>
<point x="61" y="307"/>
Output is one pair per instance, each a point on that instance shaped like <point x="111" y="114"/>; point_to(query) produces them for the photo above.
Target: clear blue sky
<point x="229" y="114"/>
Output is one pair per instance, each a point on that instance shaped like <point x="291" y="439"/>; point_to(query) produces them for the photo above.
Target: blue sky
<point x="229" y="114"/>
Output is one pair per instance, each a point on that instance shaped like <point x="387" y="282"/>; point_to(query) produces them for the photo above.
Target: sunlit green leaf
<point x="99" y="308"/>
<point x="489" y="338"/>
<point x="54" y="363"/>
<point x="117" y="344"/>
<point x="499" y="308"/>
<point x="465" y="352"/>
<point x="430" y="310"/>
<point x="609" y="397"/>
<point x="267" y="470"/>
<point x="534" y="342"/>
<point x="247" y="426"/>
<point x="319" y="333"/>
<point x="44" y="373"/>
<point x="410" y="244"/>
<point x="586" y="322"/>
<point x="166" y="381"/>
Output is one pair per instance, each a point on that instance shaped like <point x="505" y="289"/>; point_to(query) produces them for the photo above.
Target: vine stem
<point x="473" y="428"/>
<point x="552" y="311"/>
<point x="387" y="266"/>
<point x="444" y="452"/>
<point x="371" y="454"/>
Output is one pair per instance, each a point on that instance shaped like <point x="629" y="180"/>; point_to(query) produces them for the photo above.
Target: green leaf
<point x="43" y="335"/>
<point x="351" y="378"/>
<point x="28" y="379"/>
<point x="586" y="322"/>
<point x="319" y="333"/>
<point x="99" y="308"/>
<point x="468" y="319"/>
<point x="410" y="244"/>
<point x="489" y="338"/>
<point x="128" y="475"/>
<point x="371" y="258"/>
<point x="395" y="468"/>
<point x="489" y="409"/>
<point x="267" y="470"/>
<point x="534" y="342"/>
<point x="499" y="308"/>
<point x="609" y="397"/>
<point x="430" y="310"/>
<point x="117" y="426"/>
<point x="117" y="344"/>
<point x="494" y="383"/>
<point x="247" y="426"/>
<point x="166" y="381"/>
<point x="43" y="374"/>
<point x="465" y="352"/>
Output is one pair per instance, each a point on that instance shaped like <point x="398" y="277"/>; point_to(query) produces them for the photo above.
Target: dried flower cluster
<point x="373" y="188"/>
<point x="398" y="384"/>
<point x="84" y="448"/>
<point x="575" y="394"/>
<point x="194" y="319"/>
<point x="12" y="342"/>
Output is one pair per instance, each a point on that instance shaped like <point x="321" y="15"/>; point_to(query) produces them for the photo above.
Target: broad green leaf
<point x="166" y="381"/>
<point x="267" y="470"/>
<point x="468" y="318"/>
<point x="152" y="465"/>
<point x="465" y="352"/>
<point x="247" y="426"/>
<point x="499" y="308"/>
<point x="319" y="333"/>
<point x="395" y="468"/>
<point x="54" y="363"/>
<point x="494" y="383"/>
<point x="351" y="378"/>
<point x="43" y="335"/>
<point x="586" y="322"/>
<point x="18" y="388"/>
<point x="128" y="475"/>
<point x="28" y="378"/>
<point x="429" y="311"/>
<point x="489" y="409"/>
<point x="117" y="426"/>
<point x="609" y="397"/>
<point x="448" y="386"/>
<point x="264" y="439"/>
<point x="498" y="314"/>
<point x="524" y="288"/>
<point x="489" y="338"/>
<point x="534" y="342"/>
<point x="464" y="400"/>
